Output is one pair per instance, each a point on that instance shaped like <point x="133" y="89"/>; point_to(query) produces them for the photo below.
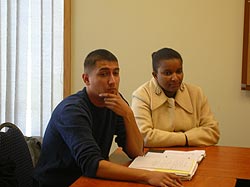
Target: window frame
<point x="67" y="49"/>
<point x="245" y="78"/>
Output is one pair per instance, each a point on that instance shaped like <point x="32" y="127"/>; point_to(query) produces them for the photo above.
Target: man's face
<point x="104" y="78"/>
<point x="169" y="76"/>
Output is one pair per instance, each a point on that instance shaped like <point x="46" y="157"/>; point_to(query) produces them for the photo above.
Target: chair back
<point x="14" y="147"/>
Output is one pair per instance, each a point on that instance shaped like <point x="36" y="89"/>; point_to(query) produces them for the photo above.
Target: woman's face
<point x="169" y="76"/>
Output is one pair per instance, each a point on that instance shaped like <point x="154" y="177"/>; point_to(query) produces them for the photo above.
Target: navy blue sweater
<point x="77" y="137"/>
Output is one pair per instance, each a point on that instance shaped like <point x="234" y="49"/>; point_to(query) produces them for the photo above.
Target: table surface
<point x="220" y="168"/>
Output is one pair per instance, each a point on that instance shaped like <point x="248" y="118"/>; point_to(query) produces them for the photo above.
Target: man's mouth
<point x="112" y="90"/>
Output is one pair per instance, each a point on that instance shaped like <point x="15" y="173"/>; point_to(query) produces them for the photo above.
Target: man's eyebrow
<point x="107" y="69"/>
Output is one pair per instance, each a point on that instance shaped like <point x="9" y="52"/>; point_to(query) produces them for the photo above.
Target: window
<point x="31" y="62"/>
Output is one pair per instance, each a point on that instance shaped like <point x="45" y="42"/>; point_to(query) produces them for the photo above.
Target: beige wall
<point x="208" y="34"/>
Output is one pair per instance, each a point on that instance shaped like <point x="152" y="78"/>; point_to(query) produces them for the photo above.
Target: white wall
<point x="208" y="34"/>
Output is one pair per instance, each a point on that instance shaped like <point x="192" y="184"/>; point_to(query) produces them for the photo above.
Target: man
<point x="79" y="135"/>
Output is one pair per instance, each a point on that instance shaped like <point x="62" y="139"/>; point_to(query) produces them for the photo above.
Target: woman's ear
<point x="154" y="74"/>
<point x="85" y="78"/>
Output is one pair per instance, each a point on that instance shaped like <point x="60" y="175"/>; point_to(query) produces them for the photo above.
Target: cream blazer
<point x="163" y="121"/>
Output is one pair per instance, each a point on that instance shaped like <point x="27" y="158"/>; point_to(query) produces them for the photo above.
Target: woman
<point x="170" y="112"/>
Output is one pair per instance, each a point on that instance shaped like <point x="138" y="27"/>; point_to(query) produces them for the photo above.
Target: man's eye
<point x="116" y="73"/>
<point x="104" y="74"/>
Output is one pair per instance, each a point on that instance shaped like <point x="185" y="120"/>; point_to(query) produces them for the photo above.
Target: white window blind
<point x="31" y="62"/>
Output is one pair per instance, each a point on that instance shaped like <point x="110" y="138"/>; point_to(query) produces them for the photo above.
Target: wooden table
<point x="220" y="168"/>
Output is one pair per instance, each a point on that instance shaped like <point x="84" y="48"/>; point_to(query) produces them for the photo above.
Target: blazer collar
<point x="182" y="97"/>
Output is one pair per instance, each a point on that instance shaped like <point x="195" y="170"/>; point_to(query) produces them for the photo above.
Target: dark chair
<point x="14" y="148"/>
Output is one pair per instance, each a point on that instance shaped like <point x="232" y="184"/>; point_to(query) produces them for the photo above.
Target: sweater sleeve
<point x="75" y="128"/>
<point x="120" y="132"/>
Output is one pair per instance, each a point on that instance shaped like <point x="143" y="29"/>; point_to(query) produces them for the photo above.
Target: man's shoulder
<point x="76" y="97"/>
<point x="76" y="100"/>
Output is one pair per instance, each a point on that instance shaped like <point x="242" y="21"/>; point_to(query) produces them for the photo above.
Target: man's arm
<point x="114" y="171"/>
<point x="134" y="147"/>
<point x="134" y="140"/>
<point x="134" y="143"/>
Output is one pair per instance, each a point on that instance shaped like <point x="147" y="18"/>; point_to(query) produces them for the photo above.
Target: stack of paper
<point x="182" y="163"/>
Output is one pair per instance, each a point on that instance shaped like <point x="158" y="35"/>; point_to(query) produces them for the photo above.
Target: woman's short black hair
<point x="164" y="54"/>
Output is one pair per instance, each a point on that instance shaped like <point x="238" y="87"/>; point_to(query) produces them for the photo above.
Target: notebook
<point x="182" y="163"/>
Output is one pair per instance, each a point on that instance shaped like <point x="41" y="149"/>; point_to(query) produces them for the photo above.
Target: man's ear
<point x="85" y="78"/>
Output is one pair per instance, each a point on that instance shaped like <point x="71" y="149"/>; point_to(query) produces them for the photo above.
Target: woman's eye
<point x="179" y="71"/>
<point x="167" y="73"/>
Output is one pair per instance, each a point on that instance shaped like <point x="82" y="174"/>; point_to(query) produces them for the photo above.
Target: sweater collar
<point x="182" y="97"/>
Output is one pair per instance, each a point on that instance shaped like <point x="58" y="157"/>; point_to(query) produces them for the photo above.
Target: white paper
<point x="182" y="163"/>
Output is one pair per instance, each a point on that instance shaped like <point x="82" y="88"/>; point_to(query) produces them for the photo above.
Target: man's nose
<point x="111" y="78"/>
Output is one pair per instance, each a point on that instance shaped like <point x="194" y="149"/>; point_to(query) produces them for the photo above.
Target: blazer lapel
<point x="183" y="99"/>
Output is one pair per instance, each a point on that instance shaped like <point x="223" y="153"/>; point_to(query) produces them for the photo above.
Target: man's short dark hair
<point x="164" y="54"/>
<point x="97" y="55"/>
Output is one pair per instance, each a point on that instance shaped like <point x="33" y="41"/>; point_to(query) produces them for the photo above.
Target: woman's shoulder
<point x="193" y="89"/>
<point x="146" y="87"/>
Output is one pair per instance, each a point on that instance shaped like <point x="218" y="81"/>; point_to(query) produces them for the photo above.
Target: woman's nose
<point x="174" y="76"/>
